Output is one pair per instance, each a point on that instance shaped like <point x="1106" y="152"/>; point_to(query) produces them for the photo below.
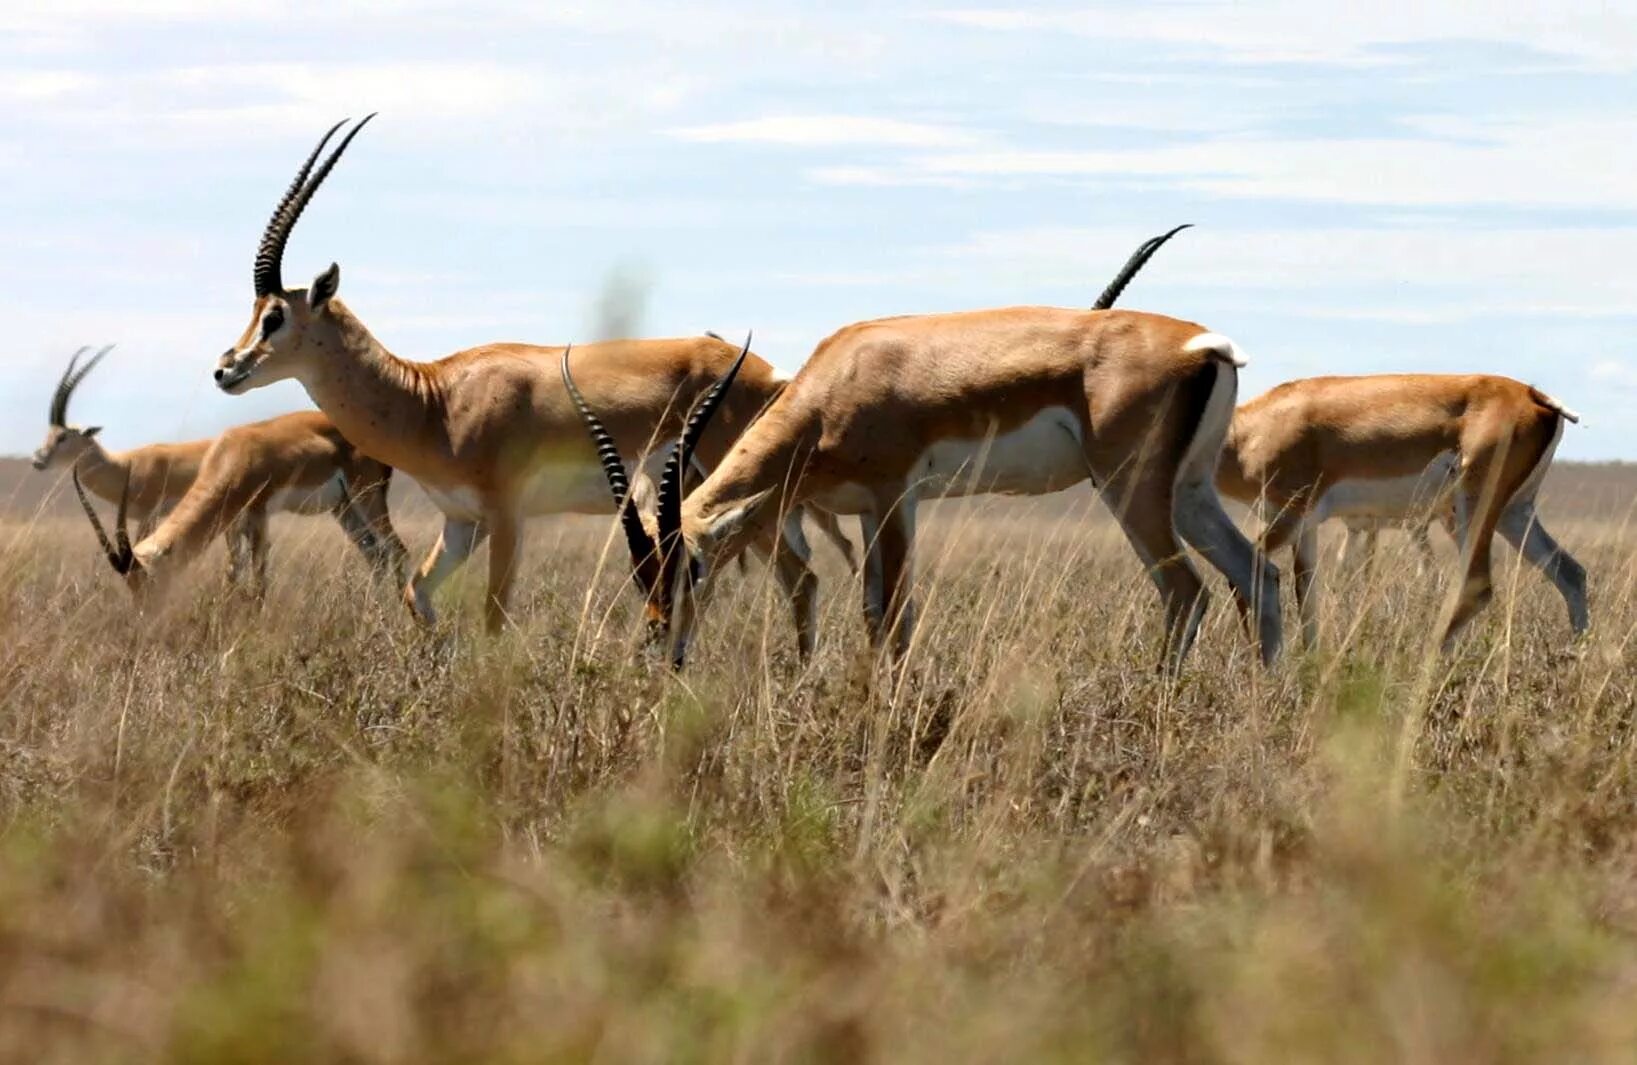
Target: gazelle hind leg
<point x="1490" y="477"/>
<point x="455" y="545"/>
<point x="1145" y="516"/>
<point x="1521" y="526"/>
<point x="1205" y="525"/>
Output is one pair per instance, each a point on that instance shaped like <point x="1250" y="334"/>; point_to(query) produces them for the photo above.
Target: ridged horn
<point x="1139" y="258"/>
<point x="65" y="386"/>
<point x="269" y="277"/>
<point x="119" y="553"/>
<point x="641" y="545"/>
<point x="669" y="506"/>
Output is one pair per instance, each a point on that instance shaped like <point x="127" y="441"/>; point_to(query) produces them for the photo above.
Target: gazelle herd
<point x="884" y="415"/>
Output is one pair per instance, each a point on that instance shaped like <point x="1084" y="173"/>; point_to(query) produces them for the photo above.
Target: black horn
<point x="71" y="380"/>
<point x="643" y="555"/>
<point x="1138" y="260"/>
<point x="119" y="553"/>
<point x="270" y="255"/>
<point x="670" y="484"/>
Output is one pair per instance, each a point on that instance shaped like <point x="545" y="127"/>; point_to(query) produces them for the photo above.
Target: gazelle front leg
<point x="1305" y="553"/>
<point x="455" y="545"/>
<point x="790" y="555"/>
<point x="889" y="540"/>
<point x="503" y="544"/>
<point x="256" y="529"/>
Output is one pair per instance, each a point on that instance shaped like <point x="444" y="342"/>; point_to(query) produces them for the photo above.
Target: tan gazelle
<point x="1294" y="447"/>
<point x="152" y="478"/>
<point x="489" y="432"/>
<point x="1020" y="401"/>
<point x="295" y="463"/>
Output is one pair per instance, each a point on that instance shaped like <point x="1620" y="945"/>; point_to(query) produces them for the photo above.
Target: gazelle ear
<point x="92" y="431"/>
<point x="325" y="286"/>
<point x="728" y="523"/>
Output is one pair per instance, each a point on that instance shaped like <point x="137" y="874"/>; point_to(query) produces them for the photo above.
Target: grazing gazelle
<point x="1018" y="401"/>
<point x="295" y="463"/>
<point x="152" y="477"/>
<point x="489" y="432"/>
<point x="1291" y="447"/>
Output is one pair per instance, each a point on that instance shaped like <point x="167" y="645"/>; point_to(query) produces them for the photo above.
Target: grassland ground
<point x="307" y="831"/>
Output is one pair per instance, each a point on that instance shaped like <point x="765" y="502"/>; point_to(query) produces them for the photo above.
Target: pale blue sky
<point x="1391" y="186"/>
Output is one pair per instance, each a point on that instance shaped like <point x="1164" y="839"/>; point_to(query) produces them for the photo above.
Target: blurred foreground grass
<point x="308" y="832"/>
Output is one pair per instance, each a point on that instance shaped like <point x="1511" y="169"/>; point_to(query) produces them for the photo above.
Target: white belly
<point x="1389" y="499"/>
<point x="1044" y="454"/>
<point x="552" y="488"/>
<point x="321" y="500"/>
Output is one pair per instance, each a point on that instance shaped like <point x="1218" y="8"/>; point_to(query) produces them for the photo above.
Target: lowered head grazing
<point x="668" y="569"/>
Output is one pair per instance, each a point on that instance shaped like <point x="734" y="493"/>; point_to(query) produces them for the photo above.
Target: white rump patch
<point x="1218" y="345"/>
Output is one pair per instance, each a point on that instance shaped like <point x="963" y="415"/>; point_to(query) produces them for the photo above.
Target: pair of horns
<point x="1139" y="259"/>
<point x="71" y="379"/>
<point x="119" y="553"/>
<point x="270" y="255"/>
<point x="655" y="565"/>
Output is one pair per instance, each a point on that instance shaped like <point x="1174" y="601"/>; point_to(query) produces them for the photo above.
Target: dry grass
<point x="311" y="833"/>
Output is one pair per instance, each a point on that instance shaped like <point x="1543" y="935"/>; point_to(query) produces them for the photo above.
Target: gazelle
<point x="1019" y="401"/>
<point x="152" y="477"/>
<point x="295" y="463"/>
<point x="489" y="432"/>
<point x="1293" y="446"/>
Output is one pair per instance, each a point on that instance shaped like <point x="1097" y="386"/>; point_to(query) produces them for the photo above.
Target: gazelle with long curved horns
<point x="1018" y="401"/>
<point x="153" y="477"/>
<point x="1293" y="447"/>
<point x="295" y="463"/>
<point x="490" y="433"/>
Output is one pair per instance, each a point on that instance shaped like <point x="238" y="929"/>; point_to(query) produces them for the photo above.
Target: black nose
<point x="220" y="373"/>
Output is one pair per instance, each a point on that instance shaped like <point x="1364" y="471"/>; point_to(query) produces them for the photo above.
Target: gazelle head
<point x="671" y="563"/>
<point x="65" y="443"/>
<point x="119" y="552"/>
<point x="288" y="327"/>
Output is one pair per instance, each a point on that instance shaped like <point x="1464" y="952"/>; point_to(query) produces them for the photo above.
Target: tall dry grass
<point x="309" y="832"/>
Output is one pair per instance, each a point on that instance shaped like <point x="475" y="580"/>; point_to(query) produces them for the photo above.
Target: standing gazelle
<point x="490" y="432"/>
<point x="151" y="478"/>
<point x="1297" y="443"/>
<point x="1019" y="401"/>
<point x="295" y="463"/>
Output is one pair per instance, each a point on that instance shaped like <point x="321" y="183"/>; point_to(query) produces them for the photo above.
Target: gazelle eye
<point x="271" y="321"/>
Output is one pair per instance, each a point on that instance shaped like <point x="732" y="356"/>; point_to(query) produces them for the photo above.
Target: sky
<point x="1434" y="186"/>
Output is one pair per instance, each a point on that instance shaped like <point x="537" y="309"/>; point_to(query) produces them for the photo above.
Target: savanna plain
<point x="308" y="831"/>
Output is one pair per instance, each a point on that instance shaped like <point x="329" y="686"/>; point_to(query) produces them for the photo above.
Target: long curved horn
<point x="270" y="255"/>
<point x="120" y="557"/>
<point x="1139" y="258"/>
<point x="643" y="555"/>
<point x="59" y="398"/>
<point x="669" y="507"/>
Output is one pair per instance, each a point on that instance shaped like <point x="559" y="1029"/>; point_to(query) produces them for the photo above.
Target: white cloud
<point x="1590" y="33"/>
<point x="1586" y="161"/>
<point x="809" y="131"/>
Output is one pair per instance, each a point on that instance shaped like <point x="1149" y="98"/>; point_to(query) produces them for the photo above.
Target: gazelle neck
<point x="103" y="473"/>
<point x="386" y="406"/>
<point x="766" y="459"/>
